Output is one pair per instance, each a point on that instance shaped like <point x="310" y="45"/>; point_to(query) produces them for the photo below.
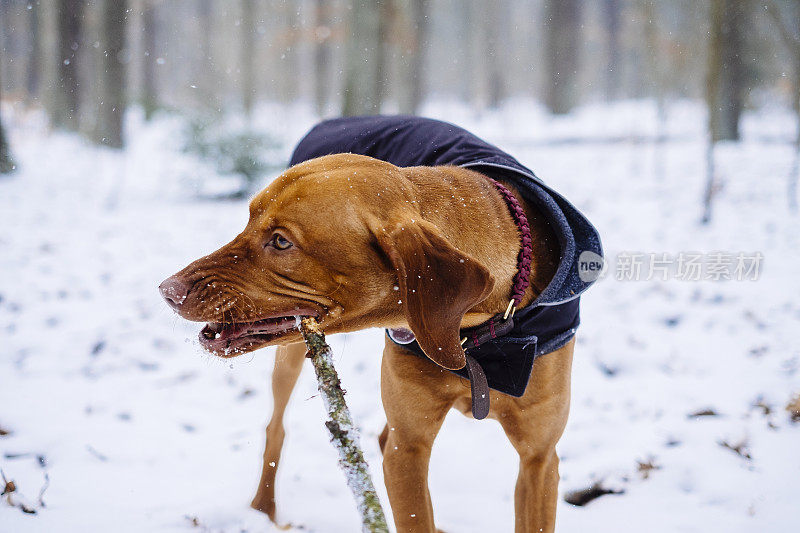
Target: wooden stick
<point x="343" y="433"/>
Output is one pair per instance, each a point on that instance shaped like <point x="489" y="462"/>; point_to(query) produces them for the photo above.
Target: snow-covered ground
<point x="105" y="391"/>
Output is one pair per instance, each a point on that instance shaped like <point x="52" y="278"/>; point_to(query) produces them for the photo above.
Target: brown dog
<point x="360" y="243"/>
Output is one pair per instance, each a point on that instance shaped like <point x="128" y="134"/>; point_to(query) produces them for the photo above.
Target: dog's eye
<point x="279" y="242"/>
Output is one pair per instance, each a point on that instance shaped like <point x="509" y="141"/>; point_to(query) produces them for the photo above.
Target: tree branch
<point x="343" y="433"/>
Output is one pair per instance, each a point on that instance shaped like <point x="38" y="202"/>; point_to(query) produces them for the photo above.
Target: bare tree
<point x="6" y="162"/>
<point x="786" y="21"/>
<point x="149" y="58"/>
<point x="111" y="105"/>
<point x="322" y="53"/>
<point x="488" y="79"/>
<point x="385" y="16"/>
<point x="462" y="20"/>
<point x="410" y="31"/>
<point x="724" y="86"/>
<point x="657" y="81"/>
<point x="611" y="10"/>
<point x="477" y="77"/>
<point x="562" y="33"/>
<point x="246" y="60"/>
<point x="9" y="40"/>
<point x="417" y="83"/>
<point x="497" y="20"/>
<point x="725" y="81"/>
<point x="289" y="43"/>
<point x="364" y="62"/>
<point x="35" y="52"/>
<point x="206" y="78"/>
<point x="66" y="104"/>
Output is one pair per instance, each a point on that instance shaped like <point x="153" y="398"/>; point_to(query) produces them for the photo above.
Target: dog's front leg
<point x="288" y="364"/>
<point x="534" y="424"/>
<point x="536" y="494"/>
<point x="415" y="409"/>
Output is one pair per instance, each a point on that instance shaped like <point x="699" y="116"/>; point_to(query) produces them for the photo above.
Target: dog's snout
<point x="174" y="290"/>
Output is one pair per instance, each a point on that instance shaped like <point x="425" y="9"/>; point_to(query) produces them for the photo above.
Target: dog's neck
<point x="474" y="207"/>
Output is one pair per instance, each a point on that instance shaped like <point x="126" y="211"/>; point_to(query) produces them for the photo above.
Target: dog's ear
<point x="438" y="284"/>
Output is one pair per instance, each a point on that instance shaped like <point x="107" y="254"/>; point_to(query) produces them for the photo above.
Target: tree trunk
<point x="247" y="54"/>
<point x="246" y="57"/>
<point x="149" y="58"/>
<point x="711" y="183"/>
<point x="657" y="83"/>
<point x="65" y="113"/>
<point x="724" y="87"/>
<point x="288" y="77"/>
<point x="322" y="54"/>
<point x="712" y="96"/>
<point x="725" y="83"/>
<point x="611" y="17"/>
<point x="8" y="41"/>
<point x="363" y="64"/>
<point x="421" y="9"/>
<point x="206" y="80"/>
<point x="6" y="162"/>
<point x="48" y="68"/>
<point x="35" y="53"/>
<point x="414" y="45"/>
<point x="794" y="173"/>
<point x="562" y="37"/>
<point x="463" y="54"/>
<point x="497" y="20"/>
<point x="788" y="30"/>
<point x="478" y="62"/>
<point x="112" y="102"/>
<point x="384" y="23"/>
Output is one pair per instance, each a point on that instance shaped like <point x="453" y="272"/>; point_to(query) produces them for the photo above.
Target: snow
<point x="140" y="430"/>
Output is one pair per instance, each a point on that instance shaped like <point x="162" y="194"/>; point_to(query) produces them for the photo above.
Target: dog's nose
<point x="174" y="291"/>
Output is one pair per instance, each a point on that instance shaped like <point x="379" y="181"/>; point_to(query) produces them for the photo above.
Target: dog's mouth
<point x="232" y="339"/>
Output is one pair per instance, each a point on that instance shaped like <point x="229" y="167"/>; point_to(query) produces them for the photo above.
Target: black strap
<point x="479" y="389"/>
<point x="493" y="328"/>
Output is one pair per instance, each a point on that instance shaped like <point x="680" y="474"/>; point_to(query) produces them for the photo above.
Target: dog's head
<point x="340" y="238"/>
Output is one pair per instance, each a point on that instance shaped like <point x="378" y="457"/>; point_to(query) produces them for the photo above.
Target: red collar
<point x="521" y="281"/>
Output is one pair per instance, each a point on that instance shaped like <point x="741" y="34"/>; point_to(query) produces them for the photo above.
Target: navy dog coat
<point x="548" y="322"/>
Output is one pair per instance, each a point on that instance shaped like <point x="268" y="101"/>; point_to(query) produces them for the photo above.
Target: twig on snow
<point x="43" y="489"/>
<point x="584" y="496"/>
<point x="793" y="408"/>
<point x="739" y="449"/>
<point x="97" y="454"/>
<point x="9" y="489"/>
